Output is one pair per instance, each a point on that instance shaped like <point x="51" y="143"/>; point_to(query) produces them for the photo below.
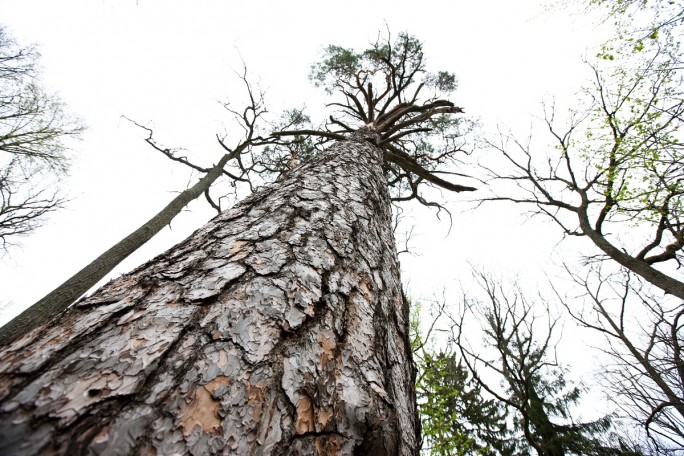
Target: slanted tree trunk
<point x="77" y="285"/>
<point x="278" y="328"/>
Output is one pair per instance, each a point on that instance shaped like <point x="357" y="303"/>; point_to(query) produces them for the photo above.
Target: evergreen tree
<point x="277" y="328"/>
<point x="520" y="370"/>
<point x="456" y="418"/>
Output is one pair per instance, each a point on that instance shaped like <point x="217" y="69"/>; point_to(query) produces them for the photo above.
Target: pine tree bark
<point x="278" y="328"/>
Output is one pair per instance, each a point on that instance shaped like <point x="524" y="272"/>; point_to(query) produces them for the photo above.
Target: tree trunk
<point x="277" y="328"/>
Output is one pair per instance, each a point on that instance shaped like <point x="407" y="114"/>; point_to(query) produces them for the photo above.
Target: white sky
<point x="166" y="63"/>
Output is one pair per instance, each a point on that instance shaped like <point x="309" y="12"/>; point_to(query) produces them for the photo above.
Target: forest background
<point x="169" y="67"/>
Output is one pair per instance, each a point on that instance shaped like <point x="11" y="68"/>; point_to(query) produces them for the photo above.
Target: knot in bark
<point x="366" y="133"/>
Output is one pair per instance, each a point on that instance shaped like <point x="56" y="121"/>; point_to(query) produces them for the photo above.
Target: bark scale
<point x="277" y="328"/>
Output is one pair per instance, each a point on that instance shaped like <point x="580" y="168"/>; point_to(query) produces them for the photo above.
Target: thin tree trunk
<point x="278" y="328"/>
<point x="63" y="296"/>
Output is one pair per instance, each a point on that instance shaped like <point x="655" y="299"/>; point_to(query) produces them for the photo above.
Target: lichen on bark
<point x="277" y="328"/>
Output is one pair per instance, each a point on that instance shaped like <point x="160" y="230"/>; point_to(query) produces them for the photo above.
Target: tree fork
<point x="277" y="328"/>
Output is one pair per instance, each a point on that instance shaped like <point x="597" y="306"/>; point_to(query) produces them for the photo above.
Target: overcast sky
<point x="166" y="63"/>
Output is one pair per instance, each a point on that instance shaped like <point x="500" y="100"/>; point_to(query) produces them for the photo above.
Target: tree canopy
<point x="611" y="170"/>
<point x="387" y="89"/>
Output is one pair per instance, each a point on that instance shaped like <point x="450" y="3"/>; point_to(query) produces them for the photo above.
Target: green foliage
<point x="387" y="89"/>
<point x="635" y="143"/>
<point x="339" y="64"/>
<point x="518" y="401"/>
<point x="644" y="27"/>
<point x="456" y="419"/>
<point x="615" y="174"/>
<point x="440" y="389"/>
<point x="402" y="60"/>
<point x="623" y="154"/>
<point x="518" y="367"/>
<point x="442" y="81"/>
<point x="277" y="158"/>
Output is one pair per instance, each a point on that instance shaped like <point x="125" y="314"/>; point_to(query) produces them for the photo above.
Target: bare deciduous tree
<point x="615" y="176"/>
<point x="618" y="166"/>
<point x="33" y="130"/>
<point x="78" y="284"/>
<point x="522" y="372"/>
<point x="643" y="337"/>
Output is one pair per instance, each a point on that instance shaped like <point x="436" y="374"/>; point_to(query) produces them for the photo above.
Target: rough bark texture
<point x="277" y="328"/>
